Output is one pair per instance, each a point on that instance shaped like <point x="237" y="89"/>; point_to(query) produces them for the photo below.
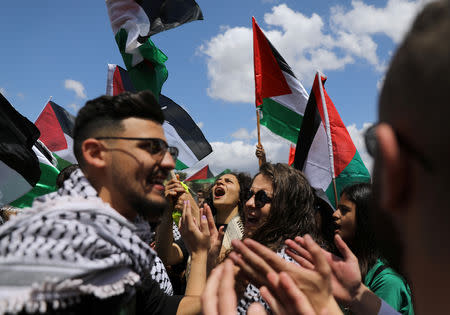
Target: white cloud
<point x="393" y="20"/>
<point x="200" y="124"/>
<point x="380" y="83"/>
<point x="75" y="86"/>
<point x="242" y="134"/>
<point x="74" y="107"/>
<point x="308" y="43"/>
<point x="21" y="95"/>
<point x="3" y="91"/>
<point x="357" y="136"/>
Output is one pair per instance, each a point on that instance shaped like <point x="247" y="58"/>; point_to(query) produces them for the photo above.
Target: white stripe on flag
<point x="173" y="139"/>
<point x="67" y="154"/>
<point x="12" y="184"/>
<point x="297" y="100"/>
<point x="317" y="165"/>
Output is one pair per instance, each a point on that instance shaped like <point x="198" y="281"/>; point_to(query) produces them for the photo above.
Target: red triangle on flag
<point x="269" y="79"/>
<point x="202" y="174"/>
<point x="52" y="134"/>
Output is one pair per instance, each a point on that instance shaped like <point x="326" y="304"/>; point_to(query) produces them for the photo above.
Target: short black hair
<point x="65" y="174"/>
<point x="103" y="115"/>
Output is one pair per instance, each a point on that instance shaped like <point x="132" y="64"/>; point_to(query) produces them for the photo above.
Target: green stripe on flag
<point x="281" y="120"/>
<point x="180" y="165"/>
<point x="142" y="76"/>
<point x="355" y="172"/>
<point x="46" y="184"/>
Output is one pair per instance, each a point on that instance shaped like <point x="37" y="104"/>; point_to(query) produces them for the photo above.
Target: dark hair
<point x="65" y="174"/>
<point x="103" y="116"/>
<point x="292" y="207"/>
<point x="364" y="245"/>
<point x="244" y="181"/>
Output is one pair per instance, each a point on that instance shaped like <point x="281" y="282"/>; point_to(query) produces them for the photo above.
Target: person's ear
<point x="394" y="176"/>
<point x="94" y="152"/>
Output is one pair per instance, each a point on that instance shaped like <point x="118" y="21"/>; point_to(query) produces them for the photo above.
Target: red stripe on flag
<point x="269" y="79"/>
<point x="202" y="174"/>
<point x="291" y="155"/>
<point x="51" y="133"/>
<point x="117" y="82"/>
<point x="343" y="148"/>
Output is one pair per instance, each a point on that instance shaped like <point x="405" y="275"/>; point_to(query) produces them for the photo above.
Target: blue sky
<point x="62" y="48"/>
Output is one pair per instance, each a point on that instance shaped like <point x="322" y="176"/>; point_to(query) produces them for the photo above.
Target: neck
<point x="225" y="214"/>
<point x="116" y="204"/>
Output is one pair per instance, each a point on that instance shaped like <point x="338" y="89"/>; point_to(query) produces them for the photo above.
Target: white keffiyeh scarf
<point x="69" y="244"/>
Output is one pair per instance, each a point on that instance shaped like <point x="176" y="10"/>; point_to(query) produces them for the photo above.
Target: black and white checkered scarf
<point x="70" y="244"/>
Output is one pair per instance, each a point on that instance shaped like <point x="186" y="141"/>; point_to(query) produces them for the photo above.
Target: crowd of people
<point x="106" y="240"/>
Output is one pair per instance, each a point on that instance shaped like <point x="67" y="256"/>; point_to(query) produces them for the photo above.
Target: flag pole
<point x="328" y="132"/>
<point x="259" y="134"/>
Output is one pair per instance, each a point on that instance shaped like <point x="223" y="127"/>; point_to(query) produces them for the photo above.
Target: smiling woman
<point x="279" y="206"/>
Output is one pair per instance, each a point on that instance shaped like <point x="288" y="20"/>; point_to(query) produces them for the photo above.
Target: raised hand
<point x="196" y="236"/>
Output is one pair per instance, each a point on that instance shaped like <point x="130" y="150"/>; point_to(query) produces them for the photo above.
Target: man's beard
<point x="387" y="234"/>
<point x="149" y="209"/>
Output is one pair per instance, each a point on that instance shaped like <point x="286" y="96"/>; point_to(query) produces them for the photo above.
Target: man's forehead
<point x="139" y="127"/>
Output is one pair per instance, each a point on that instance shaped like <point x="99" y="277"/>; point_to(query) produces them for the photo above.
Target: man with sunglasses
<point x="85" y="248"/>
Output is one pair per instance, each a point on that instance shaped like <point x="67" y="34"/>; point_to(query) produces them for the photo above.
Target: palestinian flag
<point x="19" y="166"/>
<point x="279" y="95"/>
<point x="54" y="150"/>
<point x="143" y="60"/>
<point x="56" y="127"/>
<point x="47" y="181"/>
<point x="180" y="129"/>
<point x="208" y="180"/>
<point x="204" y="173"/>
<point x="325" y="149"/>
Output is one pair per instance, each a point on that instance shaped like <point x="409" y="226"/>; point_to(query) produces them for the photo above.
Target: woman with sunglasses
<point x="352" y="223"/>
<point x="280" y="206"/>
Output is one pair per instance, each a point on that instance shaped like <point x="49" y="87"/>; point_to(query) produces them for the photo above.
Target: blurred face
<point x="345" y="219"/>
<point x="257" y="208"/>
<point x="226" y="191"/>
<point x="136" y="175"/>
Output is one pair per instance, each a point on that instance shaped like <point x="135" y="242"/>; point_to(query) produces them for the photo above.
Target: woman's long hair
<point x="292" y="207"/>
<point x="363" y="245"/>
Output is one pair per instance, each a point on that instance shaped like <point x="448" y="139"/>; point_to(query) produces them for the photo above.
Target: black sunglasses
<point x="371" y="141"/>
<point x="261" y="198"/>
<point x="156" y="146"/>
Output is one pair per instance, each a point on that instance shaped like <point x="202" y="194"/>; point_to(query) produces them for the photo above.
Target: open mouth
<point x="155" y="182"/>
<point x="252" y="220"/>
<point x="219" y="192"/>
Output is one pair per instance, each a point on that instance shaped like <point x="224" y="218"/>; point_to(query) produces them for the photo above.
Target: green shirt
<point x="390" y="286"/>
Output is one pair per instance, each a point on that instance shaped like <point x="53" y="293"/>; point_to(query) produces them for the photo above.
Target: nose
<point x="167" y="161"/>
<point x="250" y="203"/>
<point x="336" y="214"/>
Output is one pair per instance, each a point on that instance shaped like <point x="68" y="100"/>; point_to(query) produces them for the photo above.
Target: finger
<point x="209" y="216"/>
<point x="255" y="276"/>
<point x="272" y="301"/>
<point x="254" y="257"/>
<point x="256" y="309"/>
<point x="228" y="299"/>
<point x="300" y="260"/>
<point x="343" y="248"/>
<point x="221" y="234"/>
<point x="320" y="261"/>
<point x="204" y="225"/>
<point x="270" y="257"/>
<point x="293" y="297"/>
<point x="300" y="252"/>
<point x="210" y="294"/>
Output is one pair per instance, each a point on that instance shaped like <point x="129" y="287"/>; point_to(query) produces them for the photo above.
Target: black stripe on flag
<point x="186" y="128"/>
<point x="17" y="137"/>
<point x="65" y="119"/>
<point x="167" y="14"/>
<point x="127" y="85"/>
<point x="280" y="60"/>
<point x="310" y="125"/>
